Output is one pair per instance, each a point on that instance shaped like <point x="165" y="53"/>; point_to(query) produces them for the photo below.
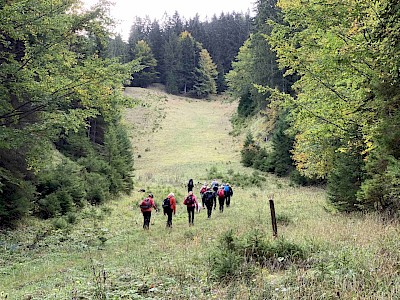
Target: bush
<point x="16" y="198"/>
<point x="97" y="188"/>
<point x="381" y="191"/>
<point x="214" y="173"/>
<point x="345" y="180"/>
<point x="236" y="256"/>
<point x="61" y="189"/>
<point x="243" y="180"/>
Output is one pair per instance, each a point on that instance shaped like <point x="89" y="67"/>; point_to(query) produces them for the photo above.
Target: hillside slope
<point x="106" y="254"/>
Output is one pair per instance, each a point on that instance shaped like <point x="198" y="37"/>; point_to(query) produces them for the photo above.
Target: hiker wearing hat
<point x="169" y="206"/>
<point x="191" y="204"/>
<point x="146" y="206"/>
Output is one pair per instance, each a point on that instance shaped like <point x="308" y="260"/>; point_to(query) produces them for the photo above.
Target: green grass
<point x="106" y="254"/>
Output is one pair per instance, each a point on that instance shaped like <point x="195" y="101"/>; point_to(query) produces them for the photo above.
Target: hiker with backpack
<point x="146" y="207"/>
<point x="190" y="185"/>
<point x="202" y="191"/>
<point x="208" y="201"/>
<point x="228" y="194"/>
<point x="221" y="198"/>
<point x="214" y="185"/>
<point x="191" y="204"/>
<point x="169" y="207"/>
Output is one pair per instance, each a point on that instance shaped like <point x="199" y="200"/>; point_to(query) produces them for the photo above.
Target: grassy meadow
<point x="103" y="252"/>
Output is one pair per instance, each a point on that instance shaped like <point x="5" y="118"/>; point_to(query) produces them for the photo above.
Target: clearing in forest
<point x="105" y="253"/>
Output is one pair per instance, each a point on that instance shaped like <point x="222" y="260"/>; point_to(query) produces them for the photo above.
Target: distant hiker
<point x="190" y="185"/>
<point x="146" y="206"/>
<point x="221" y="198"/>
<point x="202" y="191"/>
<point x="208" y="201"/>
<point x="228" y="194"/>
<point x="214" y="185"/>
<point x="191" y="204"/>
<point x="169" y="207"/>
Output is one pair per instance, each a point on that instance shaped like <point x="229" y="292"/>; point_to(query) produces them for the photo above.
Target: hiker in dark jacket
<point x="170" y="209"/>
<point x="214" y="185"/>
<point x="191" y="204"/>
<point x="190" y="185"/>
<point x="146" y="206"/>
<point x="208" y="201"/>
<point x="228" y="194"/>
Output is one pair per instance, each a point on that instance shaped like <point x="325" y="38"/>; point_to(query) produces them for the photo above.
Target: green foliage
<point x="247" y="106"/>
<point x="345" y="180"/>
<point x="179" y="68"/>
<point x="119" y="156"/>
<point x="277" y="161"/>
<point x="16" y="197"/>
<point x="172" y="64"/>
<point x="61" y="189"/>
<point x="55" y="81"/>
<point x="282" y="145"/>
<point x="236" y="178"/>
<point x="345" y="53"/>
<point x="206" y="74"/>
<point x="144" y="55"/>
<point x="249" y="151"/>
<point x="213" y="172"/>
<point x="119" y="49"/>
<point x="237" y="255"/>
<point x="255" y="65"/>
<point x="381" y="190"/>
<point x="190" y="55"/>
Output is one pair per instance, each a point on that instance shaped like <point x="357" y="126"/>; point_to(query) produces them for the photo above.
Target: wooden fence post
<point x="273" y="217"/>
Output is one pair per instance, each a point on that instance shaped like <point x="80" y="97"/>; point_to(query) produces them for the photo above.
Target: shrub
<point x="61" y="189"/>
<point x="381" y="190"/>
<point x="345" y="180"/>
<point x="239" y="255"/>
<point x="16" y="198"/>
<point x="214" y="173"/>
<point x="60" y="223"/>
<point x="97" y="188"/>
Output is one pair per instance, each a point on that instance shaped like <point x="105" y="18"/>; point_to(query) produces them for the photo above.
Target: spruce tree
<point x="206" y="73"/>
<point x="172" y="64"/>
<point x="143" y="54"/>
<point x="190" y="50"/>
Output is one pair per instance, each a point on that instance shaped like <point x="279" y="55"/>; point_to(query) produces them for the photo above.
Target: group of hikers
<point x="208" y="195"/>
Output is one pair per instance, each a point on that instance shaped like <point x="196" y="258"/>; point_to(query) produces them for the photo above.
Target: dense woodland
<point x="324" y="74"/>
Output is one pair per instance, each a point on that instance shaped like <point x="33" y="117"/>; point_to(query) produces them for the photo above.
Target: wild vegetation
<point x="306" y="113"/>
<point x="103" y="252"/>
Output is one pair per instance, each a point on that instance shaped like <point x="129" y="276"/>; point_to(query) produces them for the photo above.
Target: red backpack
<point x="221" y="193"/>
<point x="189" y="200"/>
<point x="145" y="204"/>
